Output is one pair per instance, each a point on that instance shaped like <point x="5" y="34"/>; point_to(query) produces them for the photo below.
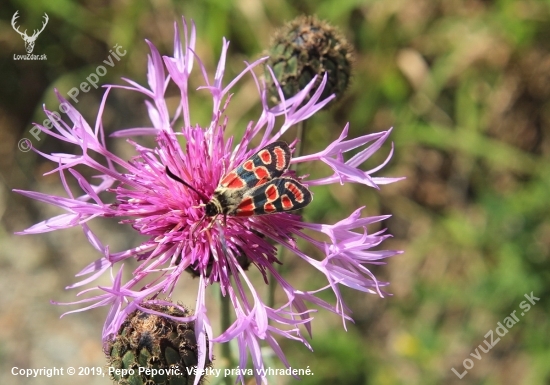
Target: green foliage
<point x="465" y="85"/>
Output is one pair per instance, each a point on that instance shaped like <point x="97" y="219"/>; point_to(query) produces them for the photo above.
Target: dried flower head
<point x="307" y="48"/>
<point x="156" y="347"/>
<point x="146" y="193"/>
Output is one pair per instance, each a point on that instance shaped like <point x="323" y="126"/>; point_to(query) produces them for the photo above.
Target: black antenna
<point x="178" y="179"/>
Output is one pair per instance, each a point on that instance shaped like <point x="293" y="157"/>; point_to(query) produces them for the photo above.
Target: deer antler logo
<point x="29" y="40"/>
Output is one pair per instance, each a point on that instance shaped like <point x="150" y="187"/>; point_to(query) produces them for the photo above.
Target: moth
<point x="256" y="186"/>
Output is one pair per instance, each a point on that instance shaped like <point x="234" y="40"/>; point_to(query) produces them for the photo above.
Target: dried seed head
<point x="156" y="344"/>
<point x="306" y="47"/>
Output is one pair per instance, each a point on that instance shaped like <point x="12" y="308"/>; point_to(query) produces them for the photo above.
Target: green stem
<point x="272" y="285"/>
<point x="225" y="321"/>
<point x="300" y="145"/>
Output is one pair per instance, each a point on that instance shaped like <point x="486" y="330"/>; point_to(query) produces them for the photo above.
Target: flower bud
<point x="306" y="47"/>
<point x="151" y="349"/>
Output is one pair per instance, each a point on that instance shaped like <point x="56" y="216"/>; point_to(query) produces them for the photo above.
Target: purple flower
<point x="170" y="214"/>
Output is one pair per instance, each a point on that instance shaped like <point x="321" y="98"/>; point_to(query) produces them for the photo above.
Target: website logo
<point x="29" y="40"/>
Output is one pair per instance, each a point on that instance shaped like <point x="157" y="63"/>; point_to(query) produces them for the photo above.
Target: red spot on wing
<point x="280" y="162"/>
<point x="298" y="194"/>
<point x="232" y="180"/>
<point x="249" y="165"/>
<point x="245" y="208"/>
<point x="269" y="207"/>
<point x="286" y="202"/>
<point x="271" y="193"/>
<point x="261" y="173"/>
<point x="240" y="213"/>
<point x="262" y="181"/>
<point x="265" y="156"/>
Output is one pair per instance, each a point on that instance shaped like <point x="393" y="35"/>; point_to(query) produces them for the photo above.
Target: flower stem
<point x="225" y="321"/>
<point x="299" y="146"/>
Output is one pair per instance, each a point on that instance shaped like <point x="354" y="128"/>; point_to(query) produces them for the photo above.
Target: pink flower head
<point x="149" y="194"/>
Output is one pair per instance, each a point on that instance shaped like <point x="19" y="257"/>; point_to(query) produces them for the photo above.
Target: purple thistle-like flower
<point x="170" y="214"/>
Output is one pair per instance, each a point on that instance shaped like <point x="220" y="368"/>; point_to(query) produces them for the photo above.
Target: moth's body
<point x="256" y="187"/>
<point x="224" y="201"/>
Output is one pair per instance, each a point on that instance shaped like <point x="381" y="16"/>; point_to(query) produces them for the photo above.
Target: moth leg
<point x="211" y="224"/>
<point x="197" y="225"/>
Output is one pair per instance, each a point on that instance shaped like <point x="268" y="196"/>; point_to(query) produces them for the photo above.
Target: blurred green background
<point x="464" y="83"/>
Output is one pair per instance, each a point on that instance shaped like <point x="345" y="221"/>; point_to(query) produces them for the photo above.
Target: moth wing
<point x="275" y="196"/>
<point x="269" y="162"/>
